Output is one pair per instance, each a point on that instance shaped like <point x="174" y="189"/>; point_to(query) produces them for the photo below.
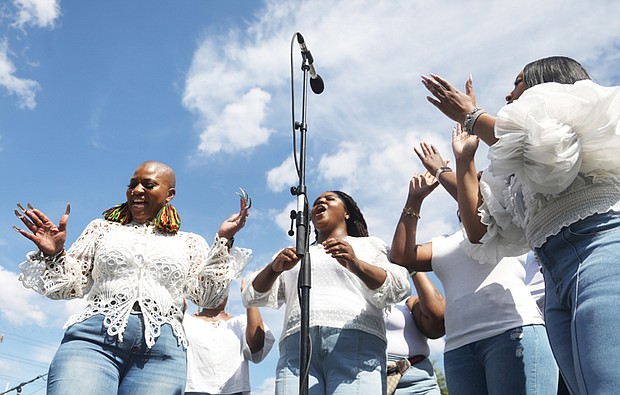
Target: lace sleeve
<point x="396" y="286"/>
<point x="66" y="276"/>
<point x="212" y="269"/>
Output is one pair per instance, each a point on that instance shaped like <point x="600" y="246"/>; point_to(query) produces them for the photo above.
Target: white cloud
<point x="282" y="176"/>
<point x="24" y="89"/>
<point x="39" y="13"/>
<point x="17" y="303"/>
<point x="238" y="128"/>
<point x="370" y="55"/>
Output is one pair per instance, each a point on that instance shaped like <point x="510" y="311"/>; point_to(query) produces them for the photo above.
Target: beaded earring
<point x="168" y="219"/>
<point x="119" y="213"/>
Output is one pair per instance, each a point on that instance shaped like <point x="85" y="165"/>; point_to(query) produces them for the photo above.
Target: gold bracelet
<point x="411" y="212"/>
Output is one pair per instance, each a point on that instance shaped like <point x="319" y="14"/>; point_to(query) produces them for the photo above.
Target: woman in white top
<point x="408" y="326"/>
<point x="352" y="283"/>
<point x="496" y="341"/>
<point x="134" y="267"/>
<point x="554" y="187"/>
<point x="220" y="346"/>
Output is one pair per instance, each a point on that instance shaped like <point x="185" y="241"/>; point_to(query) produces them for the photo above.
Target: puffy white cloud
<point x="24" y="89"/>
<point x="39" y="13"/>
<point x="282" y="176"/>
<point x="373" y="110"/>
<point x="238" y="127"/>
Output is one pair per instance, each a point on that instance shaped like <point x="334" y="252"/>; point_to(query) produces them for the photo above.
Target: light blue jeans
<point x="418" y="379"/>
<point x="581" y="265"/>
<point x="91" y="362"/>
<point x="343" y="362"/>
<point x="517" y="362"/>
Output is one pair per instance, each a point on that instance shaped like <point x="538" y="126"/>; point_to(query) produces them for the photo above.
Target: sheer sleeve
<point x="212" y="269"/>
<point x="273" y="298"/>
<point x="555" y="131"/>
<point x="66" y="276"/>
<point x="396" y="286"/>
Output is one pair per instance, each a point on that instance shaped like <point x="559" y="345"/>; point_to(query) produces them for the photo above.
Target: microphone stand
<point x="302" y="240"/>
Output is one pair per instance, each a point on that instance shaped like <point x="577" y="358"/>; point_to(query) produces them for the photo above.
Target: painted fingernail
<point x="30" y="206"/>
<point x="15" y="228"/>
<point x="21" y="207"/>
<point x="68" y="209"/>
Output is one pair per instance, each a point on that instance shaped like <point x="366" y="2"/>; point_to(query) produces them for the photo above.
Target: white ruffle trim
<point x="555" y="131"/>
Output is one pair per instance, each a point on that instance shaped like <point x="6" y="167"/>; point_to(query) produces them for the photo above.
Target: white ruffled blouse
<point x="338" y="298"/>
<point x="120" y="265"/>
<point x="557" y="161"/>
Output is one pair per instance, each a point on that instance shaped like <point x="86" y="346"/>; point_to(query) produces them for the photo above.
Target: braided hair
<point x="356" y="224"/>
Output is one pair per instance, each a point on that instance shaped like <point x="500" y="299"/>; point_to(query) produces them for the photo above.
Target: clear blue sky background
<point x="89" y="89"/>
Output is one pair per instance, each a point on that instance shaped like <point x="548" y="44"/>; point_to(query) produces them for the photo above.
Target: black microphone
<point x="316" y="82"/>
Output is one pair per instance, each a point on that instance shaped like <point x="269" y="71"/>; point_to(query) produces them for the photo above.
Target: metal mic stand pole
<point x="302" y="241"/>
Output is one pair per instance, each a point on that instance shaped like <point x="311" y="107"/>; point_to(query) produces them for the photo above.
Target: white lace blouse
<point x="119" y="265"/>
<point x="338" y="298"/>
<point x="557" y="161"/>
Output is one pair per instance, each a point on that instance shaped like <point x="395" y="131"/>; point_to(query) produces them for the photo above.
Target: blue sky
<point x="89" y="89"/>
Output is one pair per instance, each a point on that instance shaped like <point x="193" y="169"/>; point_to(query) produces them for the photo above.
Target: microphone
<point x="316" y="82"/>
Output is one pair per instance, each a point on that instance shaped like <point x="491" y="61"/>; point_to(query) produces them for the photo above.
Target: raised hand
<point x="48" y="237"/>
<point x="430" y="157"/>
<point x="421" y="185"/>
<point x="236" y="222"/>
<point x="449" y="100"/>
<point x="464" y="145"/>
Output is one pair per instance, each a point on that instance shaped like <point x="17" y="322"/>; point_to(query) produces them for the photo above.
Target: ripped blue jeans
<point x="518" y="361"/>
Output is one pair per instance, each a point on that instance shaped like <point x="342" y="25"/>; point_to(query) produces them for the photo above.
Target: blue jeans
<point x="343" y="361"/>
<point x="517" y="362"/>
<point x="418" y="379"/>
<point x="91" y="362"/>
<point x="581" y="265"/>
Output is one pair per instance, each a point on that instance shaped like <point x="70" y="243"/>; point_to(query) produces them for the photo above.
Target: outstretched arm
<point x="428" y="307"/>
<point x="405" y="252"/>
<point x="469" y="198"/>
<point x="456" y="105"/>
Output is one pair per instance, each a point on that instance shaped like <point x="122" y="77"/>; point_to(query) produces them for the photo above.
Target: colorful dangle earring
<point x="167" y="219"/>
<point x="119" y="213"/>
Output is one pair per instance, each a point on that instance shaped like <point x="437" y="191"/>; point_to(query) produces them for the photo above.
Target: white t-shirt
<point x="403" y="336"/>
<point x="218" y="355"/>
<point x="482" y="300"/>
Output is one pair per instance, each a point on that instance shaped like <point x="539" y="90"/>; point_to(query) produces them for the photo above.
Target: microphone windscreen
<point x="317" y="85"/>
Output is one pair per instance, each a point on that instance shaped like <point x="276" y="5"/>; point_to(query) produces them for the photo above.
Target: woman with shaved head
<point x="134" y="266"/>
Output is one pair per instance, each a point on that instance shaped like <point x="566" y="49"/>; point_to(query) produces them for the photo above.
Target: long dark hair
<point x="560" y="69"/>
